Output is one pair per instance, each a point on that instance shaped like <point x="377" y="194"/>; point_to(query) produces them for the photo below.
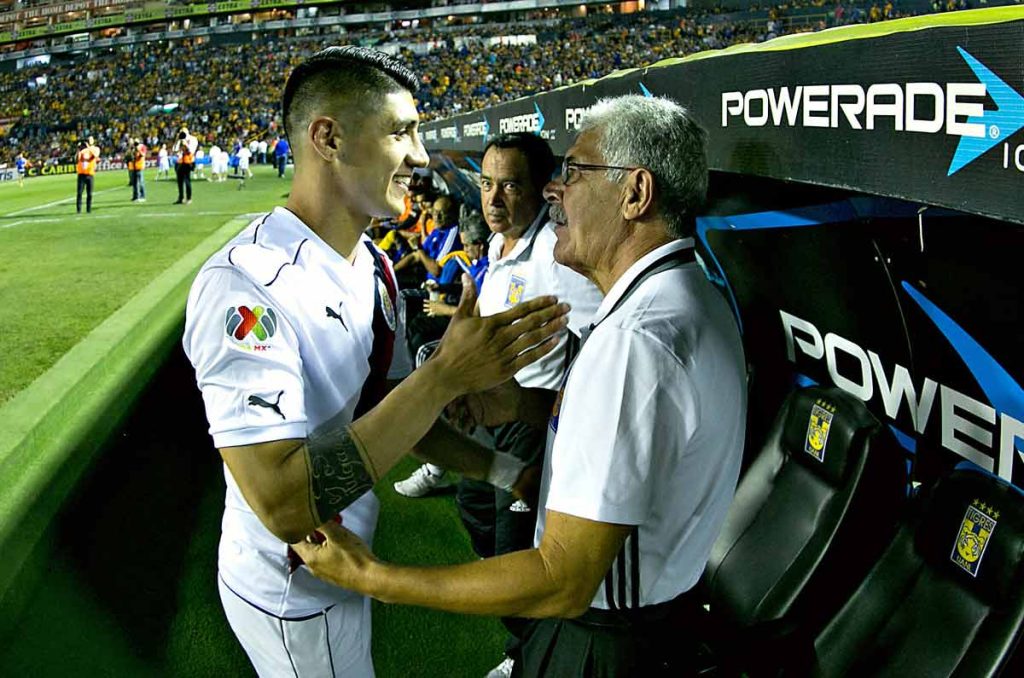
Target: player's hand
<point x="341" y="558"/>
<point x="477" y="353"/>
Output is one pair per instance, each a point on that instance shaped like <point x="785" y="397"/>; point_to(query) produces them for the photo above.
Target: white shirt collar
<point x="498" y="241"/>
<point x="633" y="272"/>
<point x="288" y="228"/>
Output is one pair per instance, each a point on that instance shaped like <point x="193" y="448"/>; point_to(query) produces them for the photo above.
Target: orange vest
<point x="186" y="156"/>
<point x="85" y="162"/>
<point x="140" y="158"/>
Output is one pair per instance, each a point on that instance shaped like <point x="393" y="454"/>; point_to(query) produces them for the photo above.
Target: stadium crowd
<point x="116" y="96"/>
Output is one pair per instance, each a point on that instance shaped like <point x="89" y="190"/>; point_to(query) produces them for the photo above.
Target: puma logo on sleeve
<point x="257" y="401"/>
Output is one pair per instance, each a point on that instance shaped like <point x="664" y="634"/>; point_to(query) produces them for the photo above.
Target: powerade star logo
<point x="1000" y="123"/>
<point x="250" y="328"/>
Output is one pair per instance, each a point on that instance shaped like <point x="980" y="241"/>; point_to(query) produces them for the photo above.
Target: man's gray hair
<point x="659" y="135"/>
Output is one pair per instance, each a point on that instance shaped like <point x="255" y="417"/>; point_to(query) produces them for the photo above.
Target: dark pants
<point x="281" y="161"/>
<point x="184" y="174"/>
<point x="495" y="529"/>
<point x="659" y="641"/>
<point x="84" y="184"/>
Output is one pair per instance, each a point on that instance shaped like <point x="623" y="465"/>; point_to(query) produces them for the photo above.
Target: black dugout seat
<point x="946" y="598"/>
<point x="811" y="515"/>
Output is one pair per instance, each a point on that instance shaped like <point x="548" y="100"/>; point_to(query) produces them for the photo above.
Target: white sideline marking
<point x="55" y="203"/>
<point x="26" y="221"/>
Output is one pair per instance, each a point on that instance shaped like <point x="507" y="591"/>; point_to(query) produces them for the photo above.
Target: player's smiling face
<point x="381" y="156"/>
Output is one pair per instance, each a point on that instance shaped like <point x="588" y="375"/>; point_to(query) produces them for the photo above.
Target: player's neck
<point x="336" y="226"/>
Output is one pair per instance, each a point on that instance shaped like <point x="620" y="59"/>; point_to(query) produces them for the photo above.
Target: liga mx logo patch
<point x="251" y="329"/>
<point x="516" y="290"/>
<point x="975" y="532"/>
<point x="818" y="427"/>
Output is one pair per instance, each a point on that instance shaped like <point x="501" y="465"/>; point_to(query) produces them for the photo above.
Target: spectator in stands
<point x="441" y="300"/>
<point x="442" y="240"/>
<point x="642" y="461"/>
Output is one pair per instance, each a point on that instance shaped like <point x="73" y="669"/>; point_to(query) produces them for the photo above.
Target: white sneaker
<point x="519" y="506"/>
<point x="502" y="670"/>
<point x="422" y="482"/>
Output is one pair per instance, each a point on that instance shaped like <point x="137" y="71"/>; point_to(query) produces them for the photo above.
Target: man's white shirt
<point x="649" y="429"/>
<point x="279" y="330"/>
<point x="530" y="271"/>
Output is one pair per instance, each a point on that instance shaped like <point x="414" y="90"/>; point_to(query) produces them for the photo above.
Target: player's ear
<point x="324" y="135"/>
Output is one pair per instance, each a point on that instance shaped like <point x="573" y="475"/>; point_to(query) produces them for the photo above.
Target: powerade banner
<point x="934" y="114"/>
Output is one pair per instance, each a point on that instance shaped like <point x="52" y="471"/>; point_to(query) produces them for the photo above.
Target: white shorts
<point x="165" y="165"/>
<point x="334" y="643"/>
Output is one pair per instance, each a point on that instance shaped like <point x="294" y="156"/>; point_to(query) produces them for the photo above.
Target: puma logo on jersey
<point x="331" y="313"/>
<point x="257" y="401"/>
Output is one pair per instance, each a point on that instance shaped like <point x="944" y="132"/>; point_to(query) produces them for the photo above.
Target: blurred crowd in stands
<point x="229" y="94"/>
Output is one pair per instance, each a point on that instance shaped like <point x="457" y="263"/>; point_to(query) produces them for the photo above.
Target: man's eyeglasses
<point x="571" y="170"/>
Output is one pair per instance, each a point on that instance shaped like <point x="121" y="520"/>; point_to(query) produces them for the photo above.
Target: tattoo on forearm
<point x="337" y="473"/>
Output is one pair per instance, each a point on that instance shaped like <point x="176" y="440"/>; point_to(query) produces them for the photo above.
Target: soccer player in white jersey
<point x="291" y="330"/>
<point x="645" y="440"/>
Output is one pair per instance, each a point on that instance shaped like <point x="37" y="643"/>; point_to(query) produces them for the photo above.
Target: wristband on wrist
<point x="505" y="470"/>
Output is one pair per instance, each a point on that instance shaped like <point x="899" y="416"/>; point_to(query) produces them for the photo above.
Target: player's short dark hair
<point x="539" y="157"/>
<point x="352" y="79"/>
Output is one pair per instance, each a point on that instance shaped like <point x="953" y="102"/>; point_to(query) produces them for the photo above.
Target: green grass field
<point x="62" y="274"/>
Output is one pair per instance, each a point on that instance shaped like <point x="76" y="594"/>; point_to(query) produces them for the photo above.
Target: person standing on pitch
<point x="21" y="165"/>
<point x="163" y="163"/>
<point x="136" y="161"/>
<point x="645" y="439"/>
<point x="281" y="150"/>
<point x="292" y="328"/>
<point x="185" y="147"/>
<point x="85" y="166"/>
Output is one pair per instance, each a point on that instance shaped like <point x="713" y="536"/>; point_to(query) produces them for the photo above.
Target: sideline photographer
<point x="185" y="148"/>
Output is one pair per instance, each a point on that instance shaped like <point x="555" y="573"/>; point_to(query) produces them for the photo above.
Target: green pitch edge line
<point x="50" y="432"/>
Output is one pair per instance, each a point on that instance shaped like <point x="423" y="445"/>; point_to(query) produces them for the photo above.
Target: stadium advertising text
<point x="972" y="429"/>
<point x="859" y="108"/>
<point x="528" y="122"/>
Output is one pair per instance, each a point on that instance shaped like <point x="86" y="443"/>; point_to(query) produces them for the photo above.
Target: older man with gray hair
<point x="645" y="441"/>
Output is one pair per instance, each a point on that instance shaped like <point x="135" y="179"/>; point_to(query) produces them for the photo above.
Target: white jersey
<point x="243" y="157"/>
<point x="530" y="271"/>
<point x="254" y="146"/>
<point x="279" y="328"/>
<point x="649" y="429"/>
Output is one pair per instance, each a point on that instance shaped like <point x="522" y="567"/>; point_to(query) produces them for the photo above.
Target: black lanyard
<point x="663" y="263"/>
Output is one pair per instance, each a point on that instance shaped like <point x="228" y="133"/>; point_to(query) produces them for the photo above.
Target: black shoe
<point x="177" y="202"/>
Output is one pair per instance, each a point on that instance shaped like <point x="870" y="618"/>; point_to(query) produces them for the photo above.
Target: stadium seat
<point x="812" y="513"/>
<point x="946" y="598"/>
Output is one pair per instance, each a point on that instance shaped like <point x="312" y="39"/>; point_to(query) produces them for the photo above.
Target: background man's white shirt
<point x="529" y="271"/>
